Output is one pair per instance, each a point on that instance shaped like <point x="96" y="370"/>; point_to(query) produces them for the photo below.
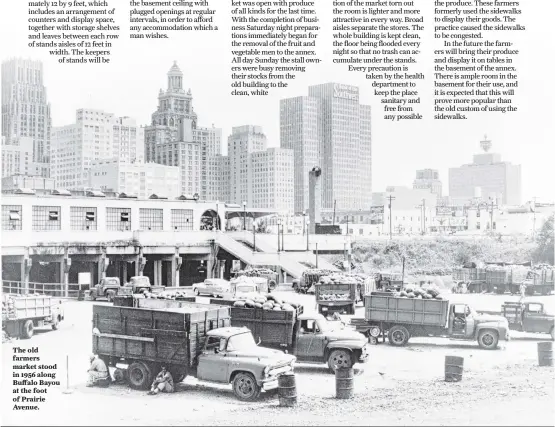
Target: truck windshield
<point x="245" y="289"/>
<point x="242" y="341"/>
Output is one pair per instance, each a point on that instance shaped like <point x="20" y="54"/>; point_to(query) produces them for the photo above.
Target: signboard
<point x="345" y="92"/>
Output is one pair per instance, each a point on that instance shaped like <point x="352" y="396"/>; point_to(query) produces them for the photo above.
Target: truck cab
<point x="139" y="284"/>
<point x="107" y="288"/>
<point x="231" y="355"/>
<point x="319" y="341"/>
<point x="466" y="323"/>
<point x="529" y="317"/>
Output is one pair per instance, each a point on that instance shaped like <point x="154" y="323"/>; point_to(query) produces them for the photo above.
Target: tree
<point x="545" y="243"/>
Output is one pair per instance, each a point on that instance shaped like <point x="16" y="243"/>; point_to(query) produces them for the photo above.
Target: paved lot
<point x="398" y="386"/>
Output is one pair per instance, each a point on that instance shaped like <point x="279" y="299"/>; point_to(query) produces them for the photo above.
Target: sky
<point x="129" y="86"/>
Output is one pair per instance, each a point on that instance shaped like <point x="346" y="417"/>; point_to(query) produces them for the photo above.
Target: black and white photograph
<point x="176" y="173"/>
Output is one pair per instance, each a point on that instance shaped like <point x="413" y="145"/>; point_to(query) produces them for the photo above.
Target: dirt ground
<point x="398" y="386"/>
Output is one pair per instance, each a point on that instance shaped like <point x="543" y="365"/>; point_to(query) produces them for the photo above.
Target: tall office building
<point x="240" y="144"/>
<point x="25" y="110"/>
<point x="271" y="179"/>
<point x="331" y="129"/>
<point x="428" y="179"/>
<point x="95" y="136"/>
<point x="174" y="139"/>
<point x="488" y="178"/>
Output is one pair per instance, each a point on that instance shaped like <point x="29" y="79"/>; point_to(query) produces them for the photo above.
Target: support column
<point x="170" y="272"/>
<point x="140" y="263"/>
<point x="124" y="273"/>
<point x="26" y="270"/>
<point x="176" y="267"/>
<point x="103" y="264"/>
<point x="91" y="272"/>
<point x="66" y="265"/>
<point x="210" y="266"/>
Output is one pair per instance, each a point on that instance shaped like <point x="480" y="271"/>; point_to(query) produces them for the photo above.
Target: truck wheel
<point x="197" y="293"/>
<point x="177" y="375"/>
<point x="27" y="329"/>
<point x="139" y="376"/>
<point x="488" y="339"/>
<point x="56" y="323"/>
<point x="398" y="336"/>
<point x="245" y="387"/>
<point x="120" y="375"/>
<point x="339" y="359"/>
<point x="92" y="296"/>
<point x="272" y="285"/>
<point x="374" y="331"/>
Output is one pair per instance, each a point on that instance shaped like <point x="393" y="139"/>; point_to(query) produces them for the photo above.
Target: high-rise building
<point x="243" y="141"/>
<point x="332" y="130"/>
<point x="25" y="110"/>
<point x="17" y="156"/>
<point x="136" y="178"/>
<point x="174" y="139"/>
<point x="428" y="179"/>
<point x="271" y="179"/>
<point x="95" y="136"/>
<point x="488" y="178"/>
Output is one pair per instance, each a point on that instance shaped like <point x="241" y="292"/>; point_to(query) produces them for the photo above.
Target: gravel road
<point x="398" y="386"/>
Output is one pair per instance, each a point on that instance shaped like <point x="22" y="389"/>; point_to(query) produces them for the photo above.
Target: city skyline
<point x="380" y="178"/>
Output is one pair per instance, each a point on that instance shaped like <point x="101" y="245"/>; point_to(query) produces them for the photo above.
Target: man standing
<point x="522" y="291"/>
<point x="97" y="371"/>
<point x="163" y="382"/>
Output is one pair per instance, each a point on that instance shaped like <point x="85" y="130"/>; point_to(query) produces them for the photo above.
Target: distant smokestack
<point x="314" y="198"/>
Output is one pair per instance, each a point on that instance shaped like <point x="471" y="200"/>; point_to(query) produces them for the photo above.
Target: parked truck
<point x="309" y="278"/>
<point x="108" y="288"/>
<point x="401" y="318"/>
<point x="310" y="338"/>
<point x="271" y="276"/>
<point x="336" y="297"/>
<point x="195" y="339"/>
<point x="139" y="285"/>
<point x="528" y="317"/>
<point x="21" y="314"/>
<point x="540" y="281"/>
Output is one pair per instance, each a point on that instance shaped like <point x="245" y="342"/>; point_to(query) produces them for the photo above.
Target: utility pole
<point x="334" y="206"/>
<point x="391" y="198"/>
<point x="424" y="216"/>
<point x="347" y="230"/>
<point x="491" y="216"/>
<point x="534" y="224"/>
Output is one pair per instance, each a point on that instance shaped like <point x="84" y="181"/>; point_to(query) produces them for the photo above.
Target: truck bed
<point x="172" y="335"/>
<point x="392" y="309"/>
<point x="26" y="307"/>
<point x="347" y="293"/>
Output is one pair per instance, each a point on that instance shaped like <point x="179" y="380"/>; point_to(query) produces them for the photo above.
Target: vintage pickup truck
<point x="528" y="317"/>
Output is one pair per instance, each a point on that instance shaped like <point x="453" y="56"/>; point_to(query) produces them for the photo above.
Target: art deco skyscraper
<point x="25" y="110"/>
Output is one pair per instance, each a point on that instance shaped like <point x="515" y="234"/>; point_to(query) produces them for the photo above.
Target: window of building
<point x="83" y="218"/>
<point x="11" y="217"/>
<point x="478" y="225"/>
<point x="118" y="219"/>
<point x="47" y="218"/>
<point x="151" y="219"/>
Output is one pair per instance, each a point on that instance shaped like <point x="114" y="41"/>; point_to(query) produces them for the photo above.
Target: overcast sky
<point x="129" y="86"/>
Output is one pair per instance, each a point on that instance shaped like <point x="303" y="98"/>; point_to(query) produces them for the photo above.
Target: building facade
<point x="37" y="183"/>
<point x="136" y="179"/>
<point x="25" y="109"/>
<point x="428" y="179"/>
<point x="17" y="156"/>
<point x="332" y="130"/>
<point x="487" y="177"/>
<point x="175" y="139"/>
<point x="95" y="136"/>
<point x="271" y="179"/>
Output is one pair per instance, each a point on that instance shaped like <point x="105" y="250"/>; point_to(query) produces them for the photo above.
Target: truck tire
<point x="398" y="336"/>
<point x="488" y="339"/>
<point x="272" y="285"/>
<point x="339" y="359"/>
<point x="177" y="375"/>
<point x="139" y="376"/>
<point x="27" y="329"/>
<point x="245" y="387"/>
